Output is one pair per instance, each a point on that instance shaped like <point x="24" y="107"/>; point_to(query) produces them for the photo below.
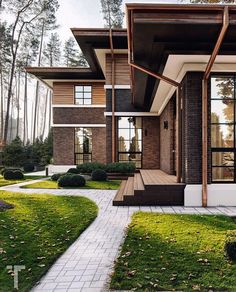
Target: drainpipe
<point x="205" y="104"/>
<point x="113" y="99"/>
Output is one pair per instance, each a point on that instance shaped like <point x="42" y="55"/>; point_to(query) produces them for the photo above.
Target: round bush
<point x="230" y="245"/>
<point x="13" y="174"/>
<point x="73" y="180"/>
<point x="3" y="170"/>
<point x="28" y="167"/>
<point x="99" y="175"/>
<point x="18" y="174"/>
<point x="73" y="170"/>
<point x="56" y="176"/>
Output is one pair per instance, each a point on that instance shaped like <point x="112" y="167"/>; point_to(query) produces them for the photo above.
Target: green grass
<point x="99" y="185"/>
<point x="175" y="252"/>
<point x="4" y="182"/>
<point x="37" y="231"/>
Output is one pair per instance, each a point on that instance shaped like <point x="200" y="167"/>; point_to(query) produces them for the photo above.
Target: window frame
<point x="76" y="144"/>
<point x="139" y="140"/>
<point x="83" y="92"/>
<point x="233" y="123"/>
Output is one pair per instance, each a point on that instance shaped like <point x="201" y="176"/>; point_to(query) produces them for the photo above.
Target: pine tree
<point x="52" y="52"/>
<point x="72" y="56"/>
<point x="112" y="13"/>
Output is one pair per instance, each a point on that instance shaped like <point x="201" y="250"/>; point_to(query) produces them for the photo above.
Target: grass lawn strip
<point x="99" y="185"/>
<point x="37" y="231"/>
<point x="4" y="182"/>
<point x="175" y="252"/>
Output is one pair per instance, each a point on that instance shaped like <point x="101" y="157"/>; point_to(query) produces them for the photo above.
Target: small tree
<point x="14" y="153"/>
<point x="72" y="56"/>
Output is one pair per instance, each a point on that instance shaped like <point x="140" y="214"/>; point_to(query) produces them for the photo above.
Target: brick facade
<point x="151" y="142"/>
<point x="78" y="115"/>
<point x="108" y="139"/>
<point x="63" y="146"/>
<point x="167" y="139"/>
<point x="191" y="94"/>
<point x="99" y="145"/>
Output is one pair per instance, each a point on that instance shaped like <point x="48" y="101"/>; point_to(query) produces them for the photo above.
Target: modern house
<point x="161" y="94"/>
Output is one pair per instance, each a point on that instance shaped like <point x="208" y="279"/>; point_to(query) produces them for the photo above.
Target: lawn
<point x="99" y="185"/>
<point x="4" y="182"/>
<point x="37" y="231"/>
<point x="175" y="252"/>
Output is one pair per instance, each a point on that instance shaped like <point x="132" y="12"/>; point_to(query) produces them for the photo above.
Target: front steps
<point x="149" y="188"/>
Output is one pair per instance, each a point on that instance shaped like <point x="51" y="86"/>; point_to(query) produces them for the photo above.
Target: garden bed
<point x="99" y="185"/>
<point x="4" y="182"/>
<point x="37" y="231"/>
<point x="175" y="252"/>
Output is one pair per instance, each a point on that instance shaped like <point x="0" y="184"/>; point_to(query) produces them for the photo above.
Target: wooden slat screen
<point x="122" y="70"/>
<point x="63" y="93"/>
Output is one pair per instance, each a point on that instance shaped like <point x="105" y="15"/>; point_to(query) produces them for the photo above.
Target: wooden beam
<point x="205" y="104"/>
<point x="113" y="99"/>
<point x="156" y="75"/>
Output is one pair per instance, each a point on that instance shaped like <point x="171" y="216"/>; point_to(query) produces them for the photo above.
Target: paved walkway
<point x="88" y="263"/>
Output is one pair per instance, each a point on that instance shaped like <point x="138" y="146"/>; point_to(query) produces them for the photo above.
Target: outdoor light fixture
<point x="166" y="125"/>
<point x="145" y="132"/>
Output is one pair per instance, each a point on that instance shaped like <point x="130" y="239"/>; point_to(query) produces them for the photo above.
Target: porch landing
<point x="150" y="187"/>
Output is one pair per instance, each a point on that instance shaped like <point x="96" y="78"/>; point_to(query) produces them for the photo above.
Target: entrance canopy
<point x="159" y="33"/>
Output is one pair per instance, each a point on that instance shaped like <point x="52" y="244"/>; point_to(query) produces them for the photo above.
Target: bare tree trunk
<point x="2" y="106"/>
<point x="37" y="84"/>
<point x="45" y="114"/>
<point x="50" y="111"/>
<point x="25" y="131"/>
<point x="18" y="105"/>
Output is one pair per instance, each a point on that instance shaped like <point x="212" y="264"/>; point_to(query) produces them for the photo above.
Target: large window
<point x="83" y="94"/>
<point x="130" y="140"/>
<point x="83" y="145"/>
<point x="223" y="119"/>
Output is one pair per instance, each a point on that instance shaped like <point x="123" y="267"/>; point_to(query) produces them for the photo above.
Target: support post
<point x="178" y="136"/>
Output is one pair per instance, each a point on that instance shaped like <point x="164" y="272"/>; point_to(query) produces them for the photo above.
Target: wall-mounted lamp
<point x="166" y="125"/>
<point x="145" y="132"/>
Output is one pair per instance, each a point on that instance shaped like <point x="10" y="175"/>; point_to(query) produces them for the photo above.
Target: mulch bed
<point x="5" y="206"/>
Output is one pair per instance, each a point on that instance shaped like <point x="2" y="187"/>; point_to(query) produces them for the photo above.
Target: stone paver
<point x="88" y="262"/>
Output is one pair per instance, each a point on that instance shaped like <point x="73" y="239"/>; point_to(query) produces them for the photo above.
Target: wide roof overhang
<point x="172" y="30"/>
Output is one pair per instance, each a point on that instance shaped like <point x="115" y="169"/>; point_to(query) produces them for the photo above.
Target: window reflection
<point x="83" y="145"/>
<point x="130" y="140"/>
<point x="223" y="128"/>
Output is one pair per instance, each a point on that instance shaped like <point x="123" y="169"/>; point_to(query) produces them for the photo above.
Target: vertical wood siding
<point x="63" y="93"/>
<point x="122" y="70"/>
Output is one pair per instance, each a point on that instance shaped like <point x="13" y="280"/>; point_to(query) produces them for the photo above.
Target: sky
<point x="86" y="13"/>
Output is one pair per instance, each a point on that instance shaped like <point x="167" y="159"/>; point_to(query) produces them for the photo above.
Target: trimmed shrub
<point x="230" y="245"/>
<point x="2" y="171"/>
<point x="56" y="176"/>
<point x="13" y="174"/>
<point x="72" y="180"/>
<point x="89" y="167"/>
<point x="99" y="175"/>
<point x="73" y="170"/>
<point x="28" y="167"/>
<point x="120" y="167"/>
<point x="18" y="174"/>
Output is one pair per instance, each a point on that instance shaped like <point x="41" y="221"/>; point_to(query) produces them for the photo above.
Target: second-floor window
<point x="83" y="94"/>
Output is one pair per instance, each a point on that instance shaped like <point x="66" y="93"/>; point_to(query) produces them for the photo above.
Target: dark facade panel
<point x="78" y="115"/>
<point x="123" y="99"/>
<point x="151" y="143"/>
<point x="63" y="146"/>
<point x="191" y="93"/>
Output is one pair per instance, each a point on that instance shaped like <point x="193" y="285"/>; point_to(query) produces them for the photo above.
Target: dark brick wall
<point x="99" y="144"/>
<point x="151" y="142"/>
<point x="123" y="101"/>
<point x="191" y="94"/>
<point x="108" y="140"/>
<point x="78" y="116"/>
<point x="167" y="139"/>
<point x="63" y="146"/>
